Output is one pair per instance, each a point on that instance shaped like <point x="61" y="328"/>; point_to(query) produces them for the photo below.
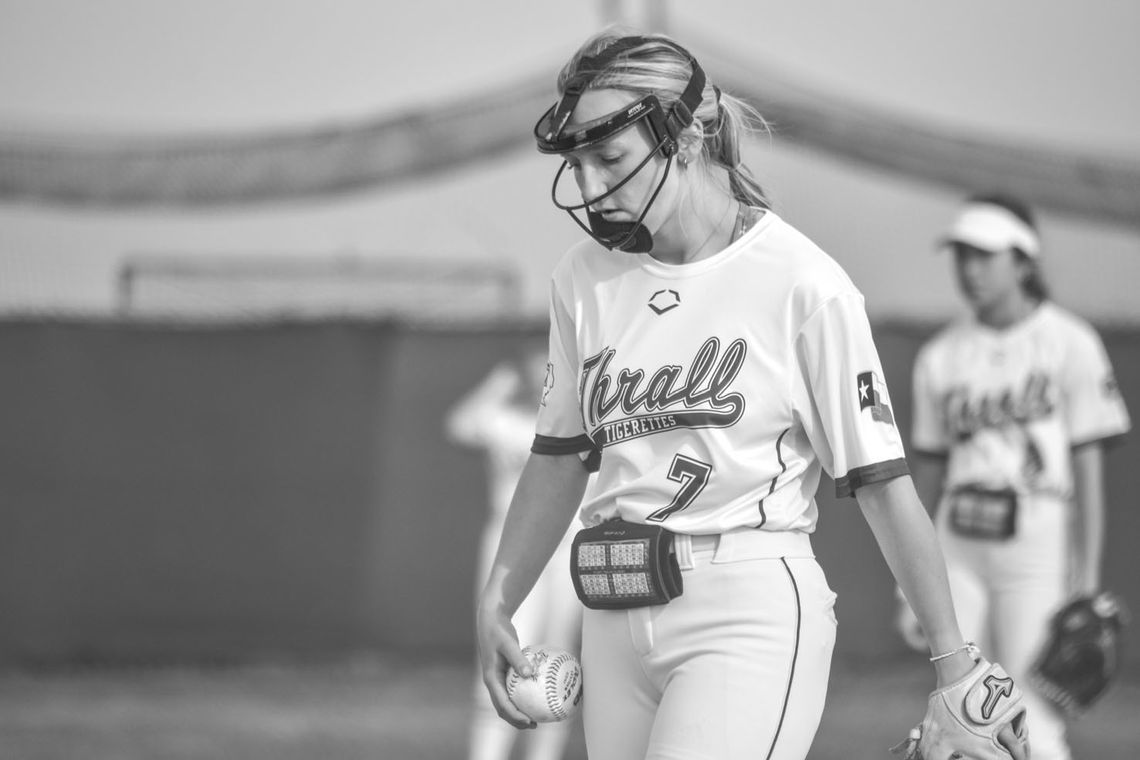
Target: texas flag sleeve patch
<point x="873" y="396"/>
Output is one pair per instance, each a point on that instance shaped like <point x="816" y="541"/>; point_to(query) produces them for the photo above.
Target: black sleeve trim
<point x="872" y="473"/>
<point x="545" y="444"/>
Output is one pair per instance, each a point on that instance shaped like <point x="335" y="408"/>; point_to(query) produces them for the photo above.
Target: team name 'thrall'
<point x="967" y="414"/>
<point x="669" y="398"/>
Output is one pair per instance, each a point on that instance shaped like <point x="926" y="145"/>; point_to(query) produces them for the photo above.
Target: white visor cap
<point x="992" y="228"/>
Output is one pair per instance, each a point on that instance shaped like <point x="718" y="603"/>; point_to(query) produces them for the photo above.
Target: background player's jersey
<point x="489" y="419"/>
<point x="1008" y="405"/>
<point x="716" y="390"/>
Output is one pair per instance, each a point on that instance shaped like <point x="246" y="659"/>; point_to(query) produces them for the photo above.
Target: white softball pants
<point x="735" y="668"/>
<point x="1005" y="593"/>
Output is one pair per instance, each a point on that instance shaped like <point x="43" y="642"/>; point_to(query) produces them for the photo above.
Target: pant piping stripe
<point x="795" y="656"/>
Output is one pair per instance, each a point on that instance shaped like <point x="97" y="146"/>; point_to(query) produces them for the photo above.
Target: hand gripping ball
<point x="554" y="692"/>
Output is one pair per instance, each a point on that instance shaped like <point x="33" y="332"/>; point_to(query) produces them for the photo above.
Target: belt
<point x="743" y="544"/>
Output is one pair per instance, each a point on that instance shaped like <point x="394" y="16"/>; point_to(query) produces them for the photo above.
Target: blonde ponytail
<point x="735" y="119"/>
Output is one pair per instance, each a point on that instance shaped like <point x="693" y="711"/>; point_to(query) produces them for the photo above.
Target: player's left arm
<point x="906" y="538"/>
<point x="849" y="419"/>
<point x="1088" y="518"/>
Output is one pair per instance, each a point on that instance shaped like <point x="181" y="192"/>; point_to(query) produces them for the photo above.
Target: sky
<point x="1055" y="72"/>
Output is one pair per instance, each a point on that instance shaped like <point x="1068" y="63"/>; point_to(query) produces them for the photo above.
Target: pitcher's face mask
<point x="553" y="135"/>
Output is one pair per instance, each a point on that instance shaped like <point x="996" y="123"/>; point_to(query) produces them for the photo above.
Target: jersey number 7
<point x="693" y="475"/>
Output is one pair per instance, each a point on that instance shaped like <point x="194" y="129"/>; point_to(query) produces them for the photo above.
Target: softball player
<point x="498" y="416"/>
<point x="710" y="361"/>
<point x="1011" y="407"/>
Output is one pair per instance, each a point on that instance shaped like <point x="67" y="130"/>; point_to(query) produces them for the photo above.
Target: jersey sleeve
<point x="841" y="398"/>
<point x="1094" y="409"/>
<point x="559" y="429"/>
<point x="929" y="429"/>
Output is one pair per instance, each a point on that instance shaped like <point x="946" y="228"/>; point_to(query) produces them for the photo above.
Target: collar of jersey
<point x="680" y="271"/>
<point x="1017" y="328"/>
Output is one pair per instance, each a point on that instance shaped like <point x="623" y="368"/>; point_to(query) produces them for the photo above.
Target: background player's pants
<point x="1005" y="594"/>
<point x="736" y="665"/>
<point x="551" y="614"/>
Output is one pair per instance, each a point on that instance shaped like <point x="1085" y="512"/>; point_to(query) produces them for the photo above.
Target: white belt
<point x="743" y="544"/>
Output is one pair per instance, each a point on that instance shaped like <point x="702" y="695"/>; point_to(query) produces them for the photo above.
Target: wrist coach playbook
<point x="984" y="513"/>
<point x="619" y="564"/>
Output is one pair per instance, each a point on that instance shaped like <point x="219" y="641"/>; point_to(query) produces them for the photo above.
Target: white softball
<point x="554" y="692"/>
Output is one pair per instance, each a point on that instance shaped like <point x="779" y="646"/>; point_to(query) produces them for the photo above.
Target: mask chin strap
<point x="631" y="237"/>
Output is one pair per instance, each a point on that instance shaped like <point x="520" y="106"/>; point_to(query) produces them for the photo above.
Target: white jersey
<point x="1007" y="406"/>
<point x="715" y="391"/>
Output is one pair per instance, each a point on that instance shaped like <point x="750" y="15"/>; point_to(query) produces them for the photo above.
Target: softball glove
<point x="963" y="720"/>
<point x="1082" y="657"/>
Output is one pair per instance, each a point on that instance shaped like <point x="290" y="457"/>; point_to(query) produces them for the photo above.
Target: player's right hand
<point x="499" y="650"/>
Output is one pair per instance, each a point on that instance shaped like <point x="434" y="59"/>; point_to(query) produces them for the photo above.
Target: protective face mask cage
<point x="552" y="137"/>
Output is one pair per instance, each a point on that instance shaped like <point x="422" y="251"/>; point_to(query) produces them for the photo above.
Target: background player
<point x="715" y="362"/>
<point x="498" y="416"/>
<point x="1011" y="406"/>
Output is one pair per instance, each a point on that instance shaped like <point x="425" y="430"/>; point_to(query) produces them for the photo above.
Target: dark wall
<point x="178" y="493"/>
<point x="171" y="492"/>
